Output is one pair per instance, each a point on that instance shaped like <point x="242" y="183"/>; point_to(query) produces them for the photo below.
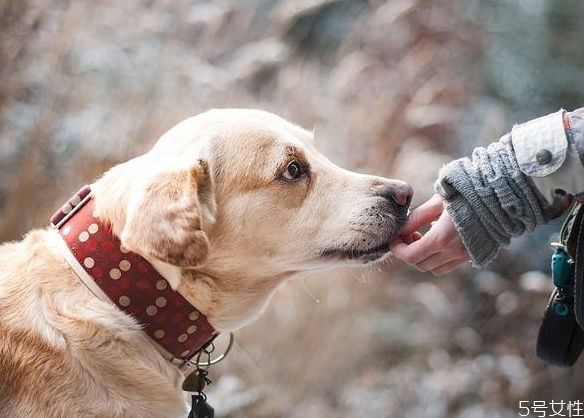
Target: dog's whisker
<point x="309" y="292"/>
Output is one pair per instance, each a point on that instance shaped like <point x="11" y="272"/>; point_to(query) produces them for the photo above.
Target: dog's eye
<point x="293" y="171"/>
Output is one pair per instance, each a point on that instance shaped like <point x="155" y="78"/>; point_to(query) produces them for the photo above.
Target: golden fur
<point x="210" y="207"/>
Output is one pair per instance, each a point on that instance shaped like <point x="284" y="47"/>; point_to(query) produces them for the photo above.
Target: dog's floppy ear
<point x="164" y="218"/>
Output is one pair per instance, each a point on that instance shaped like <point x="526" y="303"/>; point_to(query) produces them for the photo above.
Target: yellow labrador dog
<point x="226" y="206"/>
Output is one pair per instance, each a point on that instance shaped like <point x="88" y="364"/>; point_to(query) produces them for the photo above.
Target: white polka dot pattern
<point x="89" y="262"/>
<point x="84" y="236"/>
<point x="115" y="274"/>
<point x="125" y="265"/>
<point x="160" y="301"/>
<point x="75" y="200"/>
<point x="93" y="228"/>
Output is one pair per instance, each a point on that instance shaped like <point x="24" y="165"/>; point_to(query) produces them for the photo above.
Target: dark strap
<point x="560" y="339"/>
<point x="575" y="247"/>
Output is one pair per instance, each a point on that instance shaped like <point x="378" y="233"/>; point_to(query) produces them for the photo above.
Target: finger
<point x="398" y="248"/>
<point x="423" y="215"/>
<point x="399" y="240"/>
<point x="403" y="251"/>
<point x="407" y="239"/>
<point x="448" y="267"/>
<point x="413" y="237"/>
<point x="436" y="260"/>
<point x="416" y="251"/>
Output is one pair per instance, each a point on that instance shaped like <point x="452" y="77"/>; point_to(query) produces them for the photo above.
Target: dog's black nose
<point x="402" y="194"/>
<point x="398" y="191"/>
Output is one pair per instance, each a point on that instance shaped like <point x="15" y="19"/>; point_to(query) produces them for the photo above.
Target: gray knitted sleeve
<point x="490" y="199"/>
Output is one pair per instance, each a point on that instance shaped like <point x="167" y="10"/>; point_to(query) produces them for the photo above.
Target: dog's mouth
<point x="370" y="253"/>
<point x="363" y="255"/>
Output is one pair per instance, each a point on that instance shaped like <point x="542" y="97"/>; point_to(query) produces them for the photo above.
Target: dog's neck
<point x="229" y="300"/>
<point x="213" y="294"/>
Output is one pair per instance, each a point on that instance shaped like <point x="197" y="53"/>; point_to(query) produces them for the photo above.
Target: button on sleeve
<point x="543" y="156"/>
<point x="540" y="145"/>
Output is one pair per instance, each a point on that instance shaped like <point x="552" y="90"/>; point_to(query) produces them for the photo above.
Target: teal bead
<point x="561" y="309"/>
<point x="560" y="268"/>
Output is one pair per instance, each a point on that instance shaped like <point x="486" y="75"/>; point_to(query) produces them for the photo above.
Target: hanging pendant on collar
<point x="196" y="382"/>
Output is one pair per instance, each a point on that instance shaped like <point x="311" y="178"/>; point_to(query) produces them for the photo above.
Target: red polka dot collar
<point x="129" y="281"/>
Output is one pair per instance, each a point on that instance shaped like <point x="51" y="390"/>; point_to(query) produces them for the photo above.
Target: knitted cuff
<point x="489" y="199"/>
<point x="480" y="245"/>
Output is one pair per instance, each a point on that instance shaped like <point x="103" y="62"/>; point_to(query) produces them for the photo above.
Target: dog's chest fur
<point x="64" y="352"/>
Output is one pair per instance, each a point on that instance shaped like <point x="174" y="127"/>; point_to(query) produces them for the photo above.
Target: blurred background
<point x="396" y="88"/>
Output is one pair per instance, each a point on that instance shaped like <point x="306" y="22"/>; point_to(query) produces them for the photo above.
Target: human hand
<point x="440" y="250"/>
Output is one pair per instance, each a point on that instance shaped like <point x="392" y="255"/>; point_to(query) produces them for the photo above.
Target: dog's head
<point x="241" y="199"/>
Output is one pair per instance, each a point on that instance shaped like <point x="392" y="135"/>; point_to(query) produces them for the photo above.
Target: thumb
<point x="424" y="214"/>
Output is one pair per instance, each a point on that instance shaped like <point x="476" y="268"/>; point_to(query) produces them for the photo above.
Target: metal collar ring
<point x="208" y="352"/>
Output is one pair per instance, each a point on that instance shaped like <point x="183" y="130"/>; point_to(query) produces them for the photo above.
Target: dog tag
<point x="196" y="381"/>
<point x="200" y="408"/>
